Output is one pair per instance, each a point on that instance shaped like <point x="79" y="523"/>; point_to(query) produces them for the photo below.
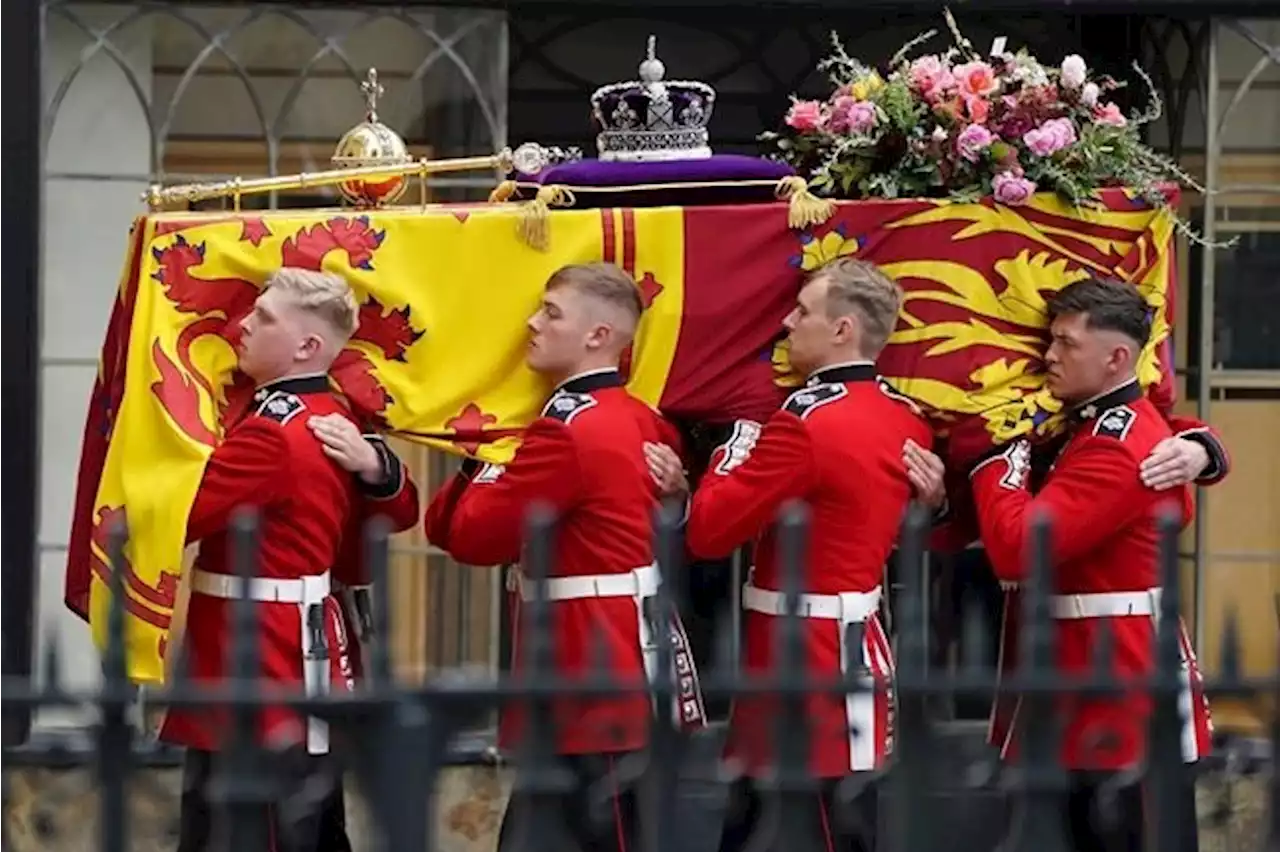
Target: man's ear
<point x="311" y="344"/>
<point x="1132" y="353"/>
<point x="1124" y="356"/>
<point x="599" y="336"/>
<point x="846" y="329"/>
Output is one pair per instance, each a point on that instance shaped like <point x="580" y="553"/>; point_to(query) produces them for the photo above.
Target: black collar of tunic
<point x="841" y="373"/>
<point x="315" y="383"/>
<point x="1123" y="395"/>
<point x="593" y="381"/>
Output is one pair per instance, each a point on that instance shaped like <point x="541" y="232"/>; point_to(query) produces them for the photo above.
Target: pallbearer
<point x="271" y="461"/>
<point x="836" y="444"/>
<point x="1105" y="556"/>
<point x="584" y="458"/>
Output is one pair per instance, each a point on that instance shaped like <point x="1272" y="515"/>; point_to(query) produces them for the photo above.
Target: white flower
<point x="1073" y="72"/>
<point x="939" y="135"/>
<point x="1089" y="95"/>
<point x="1028" y="72"/>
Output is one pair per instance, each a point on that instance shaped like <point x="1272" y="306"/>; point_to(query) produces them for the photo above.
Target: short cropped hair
<point x="604" y="281"/>
<point x="323" y="294"/>
<point x="1106" y="304"/>
<point x="860" y="288"/>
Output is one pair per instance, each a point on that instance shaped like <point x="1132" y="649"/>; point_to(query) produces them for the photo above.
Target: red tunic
<point x="1003" y="708"/>
<point x="1104" y="540"/>
<point x="584" y="458"/>
<point x="271" y="461"/>
<point x="837" y="445"/>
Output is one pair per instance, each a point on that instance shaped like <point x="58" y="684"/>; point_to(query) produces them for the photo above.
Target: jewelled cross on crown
<point x="372" y="91"/>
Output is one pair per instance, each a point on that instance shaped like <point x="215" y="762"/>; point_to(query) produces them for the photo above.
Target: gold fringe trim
<point x="503" y="192"/>
<point x="533" y="227"/>
<point x="804" y="209"/>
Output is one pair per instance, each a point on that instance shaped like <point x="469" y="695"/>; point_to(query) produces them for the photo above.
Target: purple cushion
<point x="617" y="176"/>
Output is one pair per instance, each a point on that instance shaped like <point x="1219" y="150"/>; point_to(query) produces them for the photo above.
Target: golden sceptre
<point x="371" y="167"/>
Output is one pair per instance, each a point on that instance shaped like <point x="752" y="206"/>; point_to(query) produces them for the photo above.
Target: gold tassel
<point x="503" y="192"/>
<point x="533" y="227"/>
<point x="803" y="208"/>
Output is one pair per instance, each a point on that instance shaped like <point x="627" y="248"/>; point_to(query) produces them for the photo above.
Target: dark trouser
<point x="597" y="810"/>
<point x="818" y="822"/>
<point x="292" y="821"/>
<point x="1102" y="817"/>
<point x="333" y="821"/>
<point x="707" y="608"/>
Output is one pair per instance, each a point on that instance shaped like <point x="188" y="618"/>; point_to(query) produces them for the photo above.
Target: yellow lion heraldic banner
<point x="445" y="294"/>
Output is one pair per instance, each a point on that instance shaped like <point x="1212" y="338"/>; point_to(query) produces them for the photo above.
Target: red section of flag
<point x="104" y="404"/>
<point x="744" y="266"/>
<point x="737" y="289"/>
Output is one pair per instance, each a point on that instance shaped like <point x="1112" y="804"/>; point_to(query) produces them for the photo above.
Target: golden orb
<point x="371" y="143"/>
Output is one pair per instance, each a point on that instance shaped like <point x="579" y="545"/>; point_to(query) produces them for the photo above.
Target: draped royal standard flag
<point x="970" y="341"/>
<point x="445" y="295"/>
<point x="438" y="358"/>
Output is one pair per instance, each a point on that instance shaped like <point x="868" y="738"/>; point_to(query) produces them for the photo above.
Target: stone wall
<point x="57" y="811"/>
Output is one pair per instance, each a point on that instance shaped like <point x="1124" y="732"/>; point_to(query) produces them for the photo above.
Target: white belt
<point x="1105" y="604"/>
<point x="304" y="590"/>
<point x="639" y="583"/>
<point x="307" y="593"/>
<point x="847" y="607"/>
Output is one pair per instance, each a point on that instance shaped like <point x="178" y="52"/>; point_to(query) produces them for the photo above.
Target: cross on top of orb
<point x="372" y="91"/>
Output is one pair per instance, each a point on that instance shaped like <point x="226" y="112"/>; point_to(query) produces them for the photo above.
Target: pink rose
<point x="975" y="78"/>
<point x="1012" y="189"/>
<point x="972" y="141"/>
<point x="931" y="78"/>
<point x="852" y="116"/>
<point x="1109" y="113"/>
<point x="979" y="109"/>
<point x="1054" y="135"/>
<point x="806" y="116"/>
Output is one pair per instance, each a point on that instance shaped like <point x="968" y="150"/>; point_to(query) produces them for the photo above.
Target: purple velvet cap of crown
<point x="717" y="168"/>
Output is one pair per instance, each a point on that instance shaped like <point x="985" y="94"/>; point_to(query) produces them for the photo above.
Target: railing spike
<point x="1038" y="827"/>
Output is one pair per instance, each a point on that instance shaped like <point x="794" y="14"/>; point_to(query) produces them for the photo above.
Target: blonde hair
<point x="858" y="287"/>
<point x="324" y="294"/>
<point x="604" y="281"/>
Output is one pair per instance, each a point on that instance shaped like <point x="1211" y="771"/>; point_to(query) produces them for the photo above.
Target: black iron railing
<point x="396" y="738"/>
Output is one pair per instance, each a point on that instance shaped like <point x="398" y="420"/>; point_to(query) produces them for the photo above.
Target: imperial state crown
<point x="652" y="119"/>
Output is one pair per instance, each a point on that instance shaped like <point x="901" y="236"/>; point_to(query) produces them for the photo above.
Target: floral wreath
<point x="960" y="126"/>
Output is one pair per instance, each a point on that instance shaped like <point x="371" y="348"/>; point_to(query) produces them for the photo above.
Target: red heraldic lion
<point x="584" y="458"/>
<point x="837" y="445"/>
<point x="1105" y="556"/>
<point x="269" y="461"/>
